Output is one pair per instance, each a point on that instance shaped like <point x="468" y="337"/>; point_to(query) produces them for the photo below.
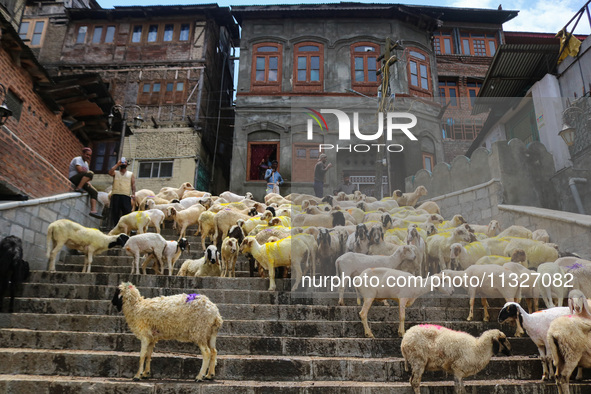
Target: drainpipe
<point x="573" y="188"/>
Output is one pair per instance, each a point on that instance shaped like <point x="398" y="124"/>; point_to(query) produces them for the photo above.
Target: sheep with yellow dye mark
<point x="286" y="252"/>
<point x="89" y="241"/>
<point x="136" y="221"/>
<point x="186" y="318"/>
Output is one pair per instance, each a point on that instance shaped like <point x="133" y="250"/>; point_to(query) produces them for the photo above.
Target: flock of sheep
<point x="350" y="236"/>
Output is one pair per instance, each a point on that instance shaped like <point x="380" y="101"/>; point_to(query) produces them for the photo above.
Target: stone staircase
<point x="67" y="338"/>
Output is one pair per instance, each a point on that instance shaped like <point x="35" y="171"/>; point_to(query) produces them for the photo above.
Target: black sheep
<point x="13" y="269"/>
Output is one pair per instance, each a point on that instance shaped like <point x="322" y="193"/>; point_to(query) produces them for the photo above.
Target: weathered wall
<point x="524" y="172"/>
<point x="29" y="220"/>
<point x="36" y="150"/>
<point x="570" y="231"/>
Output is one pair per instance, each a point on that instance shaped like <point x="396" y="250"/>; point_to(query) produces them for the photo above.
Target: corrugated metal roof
<point x="514" y="69"/>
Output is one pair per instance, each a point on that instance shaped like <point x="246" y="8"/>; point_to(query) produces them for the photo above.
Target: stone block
<point x="9" y="214"/>
<point x="16" y="230"/>
<point x="29" y="236"/>
<point x="23" y="218"/>
<point x="32" y="210"/>
<point x="465" y="197"/>
<point x="47" y="214"/>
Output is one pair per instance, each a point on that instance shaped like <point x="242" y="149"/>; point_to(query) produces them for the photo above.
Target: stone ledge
<point x="563" y="216"/>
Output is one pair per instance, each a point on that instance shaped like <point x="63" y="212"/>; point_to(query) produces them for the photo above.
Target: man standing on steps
<point x="319" y="173"/>
<point x="80" y="176"/>
<point x="123" y="191"/>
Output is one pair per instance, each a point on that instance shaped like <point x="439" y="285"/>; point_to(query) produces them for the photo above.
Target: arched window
<point x="364" y="65"/>
<point x="308" y="66"/>
<point x="428" y="153"/>
<point x="419" y="74"/>
<point x="266" y="66"/>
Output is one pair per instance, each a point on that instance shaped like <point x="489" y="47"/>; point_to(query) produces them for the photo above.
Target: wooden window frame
<point x="161" y="26"/>
<point x="475" y="89"/>
<point x="266" y="86"/>
<point x="419" y="62"/>
<point x="31" y="31"/>
<point x="248" y="155"/>
<point x="439" y="38"/>
<point x="430" y="156"/>
<point x="162" y="97"/>
<point x="308" y="84"/>
<point x="114" y="145"/>
<point x="310" y="159"/>
<point x="445" y="93"/>
<point x="105" y="27"/>
<point x="86" y="35"/>
<point x="470" y="38"/>
<point x="366" y="86"/>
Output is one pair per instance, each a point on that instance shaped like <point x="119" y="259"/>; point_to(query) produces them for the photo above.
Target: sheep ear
<point x="496" y="346"/>
<point x="208" y="252"/>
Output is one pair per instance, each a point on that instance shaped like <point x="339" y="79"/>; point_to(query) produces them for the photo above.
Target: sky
<point x="547" y="16"/>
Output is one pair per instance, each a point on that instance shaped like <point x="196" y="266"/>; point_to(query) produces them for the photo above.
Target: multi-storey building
<point x="298" y="58"/>
<point x="171" y="65"/>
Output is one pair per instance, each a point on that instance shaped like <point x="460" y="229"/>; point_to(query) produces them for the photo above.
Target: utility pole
<point x="384" y="97"/>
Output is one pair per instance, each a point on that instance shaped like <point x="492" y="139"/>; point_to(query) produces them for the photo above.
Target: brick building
<point x="295" y="57"/>
<point x="174" y="62"/>
<point x="36" y="144"/>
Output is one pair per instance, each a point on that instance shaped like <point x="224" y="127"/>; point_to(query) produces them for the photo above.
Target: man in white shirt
<point x="80" y="176"/>
<point x="123" y="191"/>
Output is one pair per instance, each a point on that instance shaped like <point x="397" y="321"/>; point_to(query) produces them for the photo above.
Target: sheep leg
<point x="545" y="372"/>
<point x="88" y="261"/>
<point x="206" y="354"/>
<point x="298" y="276"/>
<point x="272" y="285"/>
<point x="402" y="315"/>
<point x="143" y="352"/>
<point x="415" y="377"/>
<point x="136" y="261"/>
<point x="147" y="372"/>
<point x="212" y="362"/>
<point x="53" y="256"/>
<point x="471" y="315"/>
<point x="233" y="262"/>
<point x="485" y="307"/>
<point x="182" y="232"/>
<point x="363" y="314"/>
<point x="459" y="385"/>
<point x="579" y="373"/>
<point x="145" y="263"/>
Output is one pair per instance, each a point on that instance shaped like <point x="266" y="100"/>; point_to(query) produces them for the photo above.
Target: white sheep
<point x="438" y="245"/>
<point x="352" y="264"/>
<point x="536" y="325"/>
<point x="134" y="221"/>
<point x="233" y="197"/>
<point x="89" y="241"/>
<point x="553" y="289"/>
<point x="410" y="199"/>
<point x="568" y="341"/>
<point x="208" y="265"/>
<point x="140" y="196"/>
<point x="358" y="242"/>
<point x="414" y="238"/>
<point x="228" y="257"/>
<point x="436" y="348"/>
<point x="377" y="283"/>
<point x="185" y="218"/>
<point x="185" y="318"/>
<point x="578" y="305"/>
<point x="541" y="235"/>
<point x="195" y="193"/>
<point x="172" y="252"/>
<point x="145" y="243"/>
<point x="516" y="231"/>
<point x="581" y="273"/>
<point x="491" y="230"/>
<point x="463" y="256"/>
<point x="430" y="207"/>
<point x="327" y="220"/>
<point x="156" y="218"/>
<point x="331" y="244"/>
<point x="180" y="191"/>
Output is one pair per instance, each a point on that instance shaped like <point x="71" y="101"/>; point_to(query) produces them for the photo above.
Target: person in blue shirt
<point x="273" y="178"/>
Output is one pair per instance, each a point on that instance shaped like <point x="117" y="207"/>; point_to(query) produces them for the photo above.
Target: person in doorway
<point x="273" y="178"/>
<point x="123" y="191"/>
<point x="319" y="174"/>
<point x="347" y="187"/>
<point x="80" y="176"/>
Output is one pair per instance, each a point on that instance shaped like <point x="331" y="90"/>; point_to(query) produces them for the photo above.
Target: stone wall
<point x="524" y="171"/>
<point x="29" y="220"/>
<point x="570" y="231"/>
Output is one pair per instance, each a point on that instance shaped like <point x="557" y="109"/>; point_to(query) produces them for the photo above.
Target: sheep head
<point x="494" y="227"/>
<point x="518" y="256"/>
<point x="361" y="232"/>
<point x="232" y="245"/>
<point x="270" y="209"/>
<point x="212" y="255"/>
<point x="249" y="196"/>
<point x="386" y="220"/>
<point x="407" y="252"/>
<point x="275" y="222"/>
<point x="328" y="199"/>
<point x="268" y="215"/>
<point x="577" y="302"/>
<point x="120" y="241"/>
<point x="323" y="237"/>
<point x="421" y="190"/>
<point x="509" y="311"/>
<point x="247" y="244"/>
<point x="376" y="234"/>
<point x="396" y="193"/>
<point x="183" y="244"/>
<point x="500" y="343"/>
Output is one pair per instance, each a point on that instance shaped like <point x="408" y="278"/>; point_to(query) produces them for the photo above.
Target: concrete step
<point x="244" y="311"/>
<point x="109" y="364"/>
<point x="74" y="385"/>
<point x="125" y="269"/>
<point x="253" y="326"/>
<point x="251" y="344"/>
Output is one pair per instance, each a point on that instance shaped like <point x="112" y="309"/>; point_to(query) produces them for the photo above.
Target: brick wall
<point x="37" y="149"/>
